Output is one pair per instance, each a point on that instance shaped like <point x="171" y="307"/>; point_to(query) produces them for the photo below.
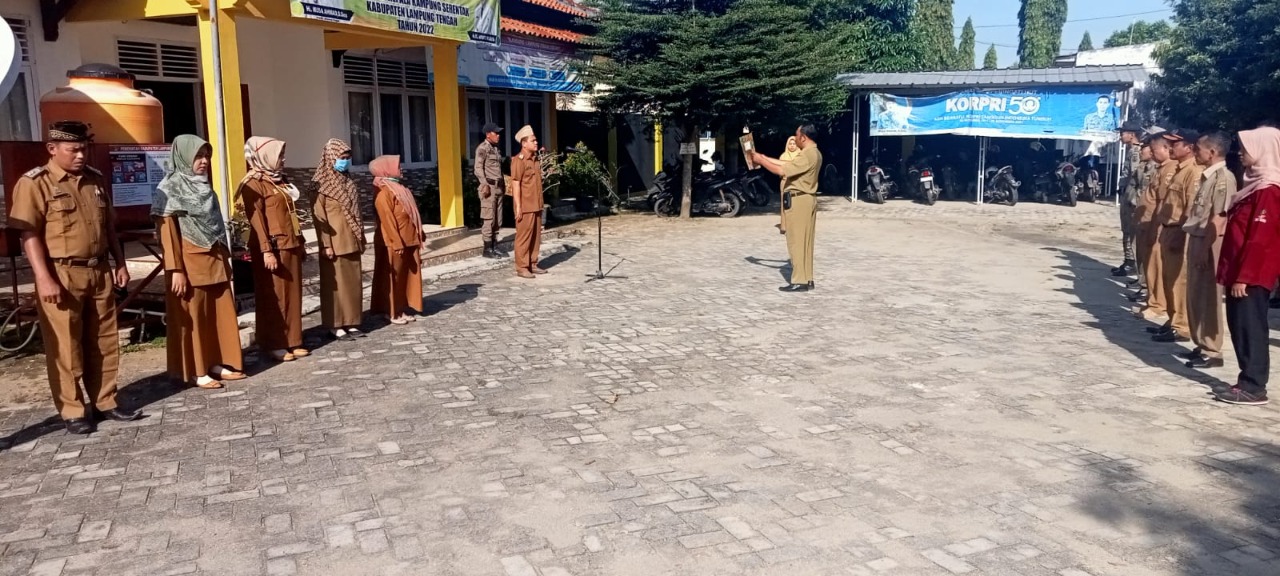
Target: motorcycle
<point x="671" y="170"/>
<point x="950" y="184"/>
<point x="1089" y="181"/>
<point x="880" y="186"/>
<point x="752" y="187"/>
<point x="719" y="196"/>
<point x="1068" y="190"/>
<point x="920" y="180"/>
<point x="1001" y="186"/>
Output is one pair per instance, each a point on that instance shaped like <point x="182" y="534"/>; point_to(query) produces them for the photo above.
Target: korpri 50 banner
<point x="1067" y="113"/>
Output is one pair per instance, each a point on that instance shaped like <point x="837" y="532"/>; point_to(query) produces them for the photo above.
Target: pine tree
<point x="966" y="53"/>
<point x="934" y="29"/>
<point x="1040" y="36"/>
<point x="992" y="60"/>
<point x="1086" y="43"/>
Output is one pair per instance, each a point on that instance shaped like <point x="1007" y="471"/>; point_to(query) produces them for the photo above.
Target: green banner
<point x="461" y="20"/>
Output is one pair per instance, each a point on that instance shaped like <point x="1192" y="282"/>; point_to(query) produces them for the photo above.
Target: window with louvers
<point x="158" y="60"/>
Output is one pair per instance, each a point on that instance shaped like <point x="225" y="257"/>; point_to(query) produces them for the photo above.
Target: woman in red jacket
<point x="1250" y="263"/>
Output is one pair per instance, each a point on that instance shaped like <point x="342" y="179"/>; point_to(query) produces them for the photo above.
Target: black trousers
<point x="1250" y="336"/>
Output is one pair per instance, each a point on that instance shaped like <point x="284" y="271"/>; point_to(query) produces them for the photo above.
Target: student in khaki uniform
<point x="488" y="168"/>
<point x="800" y="202"/>
<point x="275" y="241"/>
<point x="1205" y="226"/>
<point x="1149" y="236"/>
<point x="1172" y="215"/>
<point x="203" y="337"/>
<point x="401" y="236"/>
<point x="526" y="192"/>
<point x="67" y="223"/>
<point x="335" y="206"/>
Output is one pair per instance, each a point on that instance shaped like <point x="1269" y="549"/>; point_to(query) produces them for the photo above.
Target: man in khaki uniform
<point x="1129" y="199"/>
<point x="526" y="193"/>
<point x="1172" y="215"/>
<point x="1206" y="226"/>
<point x="1148" y="245"/>
<point x="488" y="168"/>
<point x="68" y="228"/>
<point x="800" y="201"/>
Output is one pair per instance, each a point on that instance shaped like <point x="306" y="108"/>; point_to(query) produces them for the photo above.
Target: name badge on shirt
<point x="102" y="200"/>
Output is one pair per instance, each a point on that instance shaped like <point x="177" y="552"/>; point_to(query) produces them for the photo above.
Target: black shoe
<point x="1170" y="337"/>
<point x="1123" y="269"/>
<point x="1203" y="362"/>
<point x="1239" y="397"/>
<point x="1193" y="354"/>
<point x="79" y="426"/>
<point x="795" y="288"/>
<point x="1139" y="296"/>
<point x="811" y="286"/>
<point x="121" y="415"/>
<point x="1135" y="282"/>
<point x="1162" y="329"/>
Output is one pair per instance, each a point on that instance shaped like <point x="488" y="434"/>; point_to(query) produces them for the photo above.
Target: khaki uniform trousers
<point x="528" y="240"/>
<point x="1149" y="254"/>
<point x="1173" y="270"/>
<point x="1204" y="295"/>
<point x="800" y="221"/>
<point x="81" y="341"/>
<point x="491" y="212"/>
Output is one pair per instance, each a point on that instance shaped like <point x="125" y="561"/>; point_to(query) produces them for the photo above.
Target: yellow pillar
<point x="657" y="147"/>
<point x="233" y="108"/>
<point x="444" y="59"/>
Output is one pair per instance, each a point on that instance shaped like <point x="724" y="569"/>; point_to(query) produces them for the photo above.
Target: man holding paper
<point x="799" y="203"/>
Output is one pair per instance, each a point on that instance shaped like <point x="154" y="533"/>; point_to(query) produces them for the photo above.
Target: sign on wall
<point x="136" y="171"/>
<point x="1066" y="113"/>
<point x="522" y="64"/>
<point x="461" y="20"/>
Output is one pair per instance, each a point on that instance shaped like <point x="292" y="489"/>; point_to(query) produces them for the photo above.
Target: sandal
<point x="400" y="320"/>
<point x="227" y="374"/>
<point x="207" y="383"/>
<point x="300" y="352"/>
<point x="282" y="356"/>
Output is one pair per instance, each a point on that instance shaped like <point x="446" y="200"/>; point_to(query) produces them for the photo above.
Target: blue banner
<point x="1065" y="113"/>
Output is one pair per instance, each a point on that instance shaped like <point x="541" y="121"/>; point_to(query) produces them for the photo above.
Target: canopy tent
<point x="992" y="103"/>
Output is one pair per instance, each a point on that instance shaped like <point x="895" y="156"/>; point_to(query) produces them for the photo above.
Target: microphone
<point x="574" y="150"/>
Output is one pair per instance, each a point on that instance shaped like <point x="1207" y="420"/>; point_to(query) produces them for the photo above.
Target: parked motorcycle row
<point x="715" y="193"/>
<point x="1067" y="183"/>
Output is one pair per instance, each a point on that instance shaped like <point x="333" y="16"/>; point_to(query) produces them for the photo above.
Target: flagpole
<point x="220" y="121"/>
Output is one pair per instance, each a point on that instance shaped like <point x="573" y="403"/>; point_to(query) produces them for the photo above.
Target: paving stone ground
<point x="964" y="394"/>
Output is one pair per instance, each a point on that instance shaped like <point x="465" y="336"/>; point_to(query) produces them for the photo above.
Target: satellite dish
<point x="10" y="58"/>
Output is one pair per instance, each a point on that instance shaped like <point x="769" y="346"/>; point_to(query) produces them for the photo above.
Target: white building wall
<point x="292" y="84"/>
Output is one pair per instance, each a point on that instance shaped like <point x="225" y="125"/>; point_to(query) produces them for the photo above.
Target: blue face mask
<point x="342" y="164"/>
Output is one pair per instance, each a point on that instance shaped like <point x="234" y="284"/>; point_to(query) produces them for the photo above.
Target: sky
<point x="1001" y="20"/>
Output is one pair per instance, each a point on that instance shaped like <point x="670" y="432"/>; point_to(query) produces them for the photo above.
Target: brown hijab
<point x="386" y="174"/>
<point x="338" y="186"/>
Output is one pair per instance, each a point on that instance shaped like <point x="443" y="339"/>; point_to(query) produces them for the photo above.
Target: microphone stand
<point x="600" y="273"/>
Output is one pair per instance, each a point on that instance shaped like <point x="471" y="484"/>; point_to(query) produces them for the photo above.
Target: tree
<point x="992" y="60"/>
<point x="1086" y="43"/>
<point x="934" y="29"/>
<point x="732" y="62"/>
<point x="1220" y="64"/>
<point x="1139" y="32"/>
<point x="1040" y="33"/>
<point x="966" y="53"/>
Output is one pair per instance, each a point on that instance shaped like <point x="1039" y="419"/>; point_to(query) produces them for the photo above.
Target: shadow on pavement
<point x="1104" y="298"/>
<point x="782" y="266"/>
<point x="142" y="395"/>
<point x="1238" y="537"/>
<point x="441" y="301"/>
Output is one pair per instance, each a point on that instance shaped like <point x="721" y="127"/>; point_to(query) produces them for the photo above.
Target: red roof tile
<point x="522" y="27"/>
<point x="566" y="6"/>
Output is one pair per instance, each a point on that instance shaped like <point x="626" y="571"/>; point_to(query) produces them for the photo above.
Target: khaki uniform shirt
<point x="394" y="222"/>
<point x="1182" y="193"/>
<point x="72" y="212"/>
<point x="1217" y="186"/>
<point x="800" y="176"/>
<point x="333" y="230"/>
<point x="203" y="266"/>
<point x="1132" y="174"/>
<point x="1155" y="191"/>
<point x="529" y="174"/>
<point x="272" y="220"/>
<point x="488" y="165"/>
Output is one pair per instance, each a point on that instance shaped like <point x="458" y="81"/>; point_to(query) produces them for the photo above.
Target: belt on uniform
<point x="80" y="262"/>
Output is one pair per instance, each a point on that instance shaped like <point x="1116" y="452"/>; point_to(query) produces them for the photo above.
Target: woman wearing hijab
<point x="203" y="337"/>
<point x="340" y="230"/>
<point x="275" y="241"/>
<point x="400" y="240"/>
<point x="1249" y="264"/>
<point x="792" y="151"/>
